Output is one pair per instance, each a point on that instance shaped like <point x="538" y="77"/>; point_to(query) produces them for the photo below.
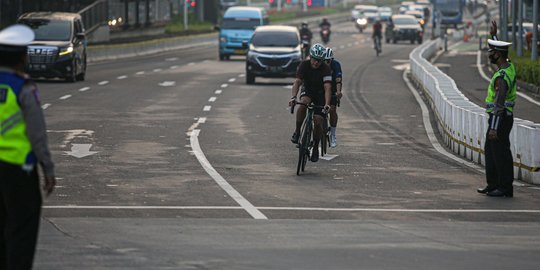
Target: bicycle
<point x="305" y="141"/>
<point x="377" y="44"/>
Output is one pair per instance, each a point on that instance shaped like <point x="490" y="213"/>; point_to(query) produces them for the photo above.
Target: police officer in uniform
<point x="500" y="103"/>
<point x="23" y="145"/>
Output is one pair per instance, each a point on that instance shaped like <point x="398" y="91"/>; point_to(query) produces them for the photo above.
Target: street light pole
<point x="185" y="15"/>
<point x="534" y="54"/>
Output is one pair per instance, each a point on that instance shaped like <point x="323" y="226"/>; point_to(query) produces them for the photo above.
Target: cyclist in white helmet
<point x="315" y="77"/>
<point x="337" y="77"/>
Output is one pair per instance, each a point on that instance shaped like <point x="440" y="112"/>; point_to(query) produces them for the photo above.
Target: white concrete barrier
<point x="463" y="124"/>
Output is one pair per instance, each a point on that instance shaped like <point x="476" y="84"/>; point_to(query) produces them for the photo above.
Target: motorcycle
<point x="306" y="44"/>
<point x="325" y="34"/>
<point x="361" y="24"/>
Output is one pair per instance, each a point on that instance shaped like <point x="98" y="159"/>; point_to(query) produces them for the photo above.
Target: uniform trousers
<point x="499" y="161"/>
<point x="20" y="209"/>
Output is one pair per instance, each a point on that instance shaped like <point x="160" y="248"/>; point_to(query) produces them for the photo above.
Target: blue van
<point x="237" y="27"/>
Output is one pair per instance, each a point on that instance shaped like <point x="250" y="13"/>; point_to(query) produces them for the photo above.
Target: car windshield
<point x="275" y="39"/>
<point x="240" y="23"/>
<point x="49" y="30"/>
<point x="405" y="21"/>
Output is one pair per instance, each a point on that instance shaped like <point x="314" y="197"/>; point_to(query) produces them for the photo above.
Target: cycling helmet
<point x="317" y="51"/>
<point x="328" y="54"/>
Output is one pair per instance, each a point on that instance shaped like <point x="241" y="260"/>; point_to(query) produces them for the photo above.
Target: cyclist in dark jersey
<point x="377" y="32"/>
<point x="337" y="77"/>
<point x="315" y="77"/>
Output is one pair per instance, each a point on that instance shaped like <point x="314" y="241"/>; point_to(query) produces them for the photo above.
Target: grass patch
<point x="177" y="25"/>
<point x="527" y="70"/>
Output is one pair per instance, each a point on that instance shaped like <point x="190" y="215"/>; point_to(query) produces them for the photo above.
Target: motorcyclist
<point x="325" y="25"/>
<point x="377" y="32"/>
<point x="305" y="35"/>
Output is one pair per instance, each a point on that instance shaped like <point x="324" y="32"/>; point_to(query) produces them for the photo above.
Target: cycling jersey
<point x="313" y="81"/>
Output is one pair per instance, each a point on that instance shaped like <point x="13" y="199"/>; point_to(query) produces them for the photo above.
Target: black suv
<point x="403" y="27"/>
<point x="274" y="51"/>
<point x="59" y="48"/>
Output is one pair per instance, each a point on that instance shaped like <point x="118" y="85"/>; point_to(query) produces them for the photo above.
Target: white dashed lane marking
<point x="140" y="73"/>
<point x="224" y="85"/>
<point x="103" y="83"/>
<point x="207" y="108"/>
<point x="122" y="77"/>
<point x="65" y="97"/>
<point x="212" y="99"/>
<point x="219" y="91"/>
<point x="232" y="79"/>
<point x="84" y="89"/>
<point x="45" y="106"/>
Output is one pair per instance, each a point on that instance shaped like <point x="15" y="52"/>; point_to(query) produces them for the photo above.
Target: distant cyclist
<point x="315" y="77"/>
<point x="337" y="77"/>
<point x="377" y="32"/>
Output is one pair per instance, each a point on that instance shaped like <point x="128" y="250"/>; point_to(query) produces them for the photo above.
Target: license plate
<point x="275" y="69"/>
<point x="238" y="51"/>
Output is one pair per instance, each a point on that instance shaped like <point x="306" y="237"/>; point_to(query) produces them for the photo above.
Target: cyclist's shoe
<point x="315" y="155"/>
<point x="294" y="138"/>
<point x="333" y="141"/>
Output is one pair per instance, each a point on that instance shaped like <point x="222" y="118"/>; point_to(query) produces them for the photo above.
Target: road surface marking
<point x="212" y="99"/>
<point x="65" y="97"/>
<point x="232" y="79"/>
<point x="103" y="82"/>
<point x="246" y="205"/>
<point x="218" y="92"/>
<point x="174" y="67"/>
<point x="207" y="108"/>
<point x="157" y="70"/>
<point x="139" y="73"/>
<point x="84" y="89"/>
<point x="121" y="77"/>
<point x="45" y="106"/>
<point x="224" y="85"/>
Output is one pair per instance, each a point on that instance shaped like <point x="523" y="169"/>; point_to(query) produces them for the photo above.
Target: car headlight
<point x="362" y="21"/>
<point x="66" y="50"/>
<point x="251" y="56"/>
<point x="297" y="56"/>
<point x="223" y="39"/>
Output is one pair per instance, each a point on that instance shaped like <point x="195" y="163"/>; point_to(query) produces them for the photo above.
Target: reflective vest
<point x="15" y="147"/>
<point x="509" y="76"/>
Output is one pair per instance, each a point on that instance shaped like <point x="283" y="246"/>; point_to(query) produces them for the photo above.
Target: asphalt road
<point x="193" y="169"/>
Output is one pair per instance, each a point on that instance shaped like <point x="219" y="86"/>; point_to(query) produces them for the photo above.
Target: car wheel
<point x="72" y="77"/>
<point x="80" y="77"/>
<point x="250" y="78"/>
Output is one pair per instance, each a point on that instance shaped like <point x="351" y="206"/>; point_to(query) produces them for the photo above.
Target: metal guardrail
<point x="95" y="15"/>
<point x="463" y="124"/>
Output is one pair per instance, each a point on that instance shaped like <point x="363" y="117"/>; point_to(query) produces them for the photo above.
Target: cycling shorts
<point x="316" y="98"/>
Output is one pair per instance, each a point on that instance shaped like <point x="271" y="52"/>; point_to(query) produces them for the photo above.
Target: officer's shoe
<point x="294" y="138"/>
<point x="486" y="189"/>
<point x="315" y="155"/>
<point x="500" y="193"/>
<point x="333" y="141"/>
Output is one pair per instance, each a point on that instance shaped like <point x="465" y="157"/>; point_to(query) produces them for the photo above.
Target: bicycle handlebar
<point x="309" y="106"/>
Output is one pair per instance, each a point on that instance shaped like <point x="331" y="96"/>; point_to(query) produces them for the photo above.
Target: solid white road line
<point x="483" y="74"/>
<point x="252" y="210"/>
<point x="65" y="97"/>
<point x="397" y="210"/>
<point x="429" y="128"/>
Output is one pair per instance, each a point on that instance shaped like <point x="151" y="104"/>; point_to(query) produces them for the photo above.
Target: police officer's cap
<point x="16" y="38"/>
<point x="498" y="45"/>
